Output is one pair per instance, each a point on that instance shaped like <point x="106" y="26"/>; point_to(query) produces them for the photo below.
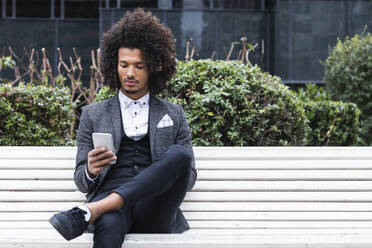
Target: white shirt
<point x="135" y="115"/>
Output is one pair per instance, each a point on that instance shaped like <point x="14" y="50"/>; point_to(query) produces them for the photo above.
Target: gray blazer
<point x="104" y="117"/>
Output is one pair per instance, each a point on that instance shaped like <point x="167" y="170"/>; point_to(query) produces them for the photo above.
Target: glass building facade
<point x="307" y="29"/>
<point x="296" y="33"/>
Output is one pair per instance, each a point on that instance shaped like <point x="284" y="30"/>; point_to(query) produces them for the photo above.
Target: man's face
<point x="133" y="73"/>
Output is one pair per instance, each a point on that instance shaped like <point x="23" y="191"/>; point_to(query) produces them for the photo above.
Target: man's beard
<point x="130" y="92"/>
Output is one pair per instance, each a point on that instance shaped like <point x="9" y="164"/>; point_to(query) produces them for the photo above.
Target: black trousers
<point x="151" y="200"/>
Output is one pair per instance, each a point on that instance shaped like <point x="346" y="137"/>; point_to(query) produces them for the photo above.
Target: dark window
<point x="237" y="4"/>
<point x="112" y="3"/>
<point x="81" y="9"/>
<point x="138" y="3"/>
<point x="109" y="3"/>
<point x="33" y="8"/>
<point x="8" y="7"/>
<point x="191" y="4"/>
<point x="177" y="4"/>
<point x="57" y="8"/>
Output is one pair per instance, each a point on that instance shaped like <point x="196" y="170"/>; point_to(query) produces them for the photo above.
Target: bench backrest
<point x="237" y="187"/>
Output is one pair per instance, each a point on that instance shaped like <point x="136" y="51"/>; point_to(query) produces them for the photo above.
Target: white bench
<point x="272" y="197"/>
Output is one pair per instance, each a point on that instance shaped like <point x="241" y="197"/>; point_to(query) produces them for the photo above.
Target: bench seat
<point x="272" y="197"/>
<point x="46" y="238"/>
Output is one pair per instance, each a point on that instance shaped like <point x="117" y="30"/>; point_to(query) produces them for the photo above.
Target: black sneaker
<point x="70" y="224"/>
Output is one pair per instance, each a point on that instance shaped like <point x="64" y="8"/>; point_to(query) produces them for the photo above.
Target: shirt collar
<point x="126" y="101"/>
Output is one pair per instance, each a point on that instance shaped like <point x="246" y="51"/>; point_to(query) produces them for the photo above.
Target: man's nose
<point x="130" y="72"/>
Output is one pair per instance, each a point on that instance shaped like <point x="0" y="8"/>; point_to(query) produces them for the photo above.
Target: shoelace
<point x="78" y="215"/>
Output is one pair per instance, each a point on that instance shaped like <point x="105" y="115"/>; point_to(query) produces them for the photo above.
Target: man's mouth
<point x="130" y="83"/>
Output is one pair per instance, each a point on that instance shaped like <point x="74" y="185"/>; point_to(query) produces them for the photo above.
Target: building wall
<point x="297" y="33"/>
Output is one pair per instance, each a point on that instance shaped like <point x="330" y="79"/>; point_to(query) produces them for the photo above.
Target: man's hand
<point x="98" y="159"/>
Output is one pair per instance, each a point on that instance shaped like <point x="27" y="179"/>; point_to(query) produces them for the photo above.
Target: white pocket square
<point x="166" y="121"/>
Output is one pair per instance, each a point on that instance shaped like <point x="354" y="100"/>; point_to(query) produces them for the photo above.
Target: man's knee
<point x="180" y="153"/>
<point x="109" y="229"/>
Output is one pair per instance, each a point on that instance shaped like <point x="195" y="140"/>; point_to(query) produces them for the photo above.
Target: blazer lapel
<point x="154" y="115"/>
<point x="116" y="120"/>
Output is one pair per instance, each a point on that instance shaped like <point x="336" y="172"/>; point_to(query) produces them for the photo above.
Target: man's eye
<point x="140" y="67"/>
<point x="123" y="66"/>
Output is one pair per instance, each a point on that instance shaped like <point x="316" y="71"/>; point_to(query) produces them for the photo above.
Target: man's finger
<point x="103" y="155"/>
<point x="96" y="151"/>
<point x="103" y="162"/>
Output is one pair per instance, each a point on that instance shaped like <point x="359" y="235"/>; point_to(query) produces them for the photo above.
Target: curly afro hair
<point x="140" y="29"/>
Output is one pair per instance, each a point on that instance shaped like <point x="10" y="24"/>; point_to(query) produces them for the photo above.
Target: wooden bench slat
<point x="221" y="224"/>
<point x="25" y="225"/>
<point x="34" y="196"/>
<point x="208" y="206"/>
<point x="69" y="185"/>
<point x="277" y="206"/>
<point x="209" y="153"/>
<point x="223" y="216"/>
<point x="207" y="164"/>
<point x="7" y="196"/>
<point x="280" y="196"/>
<point x="37" y="206"/>
<point x="328" y="175"/>
<point x="36" y="152"/>
<point x="283" y="164"/>
<point x="37" y="185"/>
<point x="284" y="153"/>
<point x="223" y="175"/>
<point x="27" y="164"/>
<point x="242" y="231"/>
<point x="210" y="232"/>
<point x="36" y="174"/>
<point x="280" y="224"/>
<point x="282" y="186"/>
<point x="278" y="216"/>
<point x="284" y="240"/>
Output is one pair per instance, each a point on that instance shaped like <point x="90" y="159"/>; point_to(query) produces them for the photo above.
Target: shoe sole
<point x="57" y="224"/>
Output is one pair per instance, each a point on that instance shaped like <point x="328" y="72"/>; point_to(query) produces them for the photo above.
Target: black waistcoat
<point x="134" y="153"/>
<point x="133" y="156"/>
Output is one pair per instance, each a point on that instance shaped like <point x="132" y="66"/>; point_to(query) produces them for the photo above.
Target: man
<point x="154" y="166"/>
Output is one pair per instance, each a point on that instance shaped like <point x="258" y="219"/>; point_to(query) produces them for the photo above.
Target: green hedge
<point x="104" y="93"/>
<point x="6" y="62"/>
<point x="228" y="103"/>
<point x="331" y="122"/>
<point x="35" y="115"/>
<point x="348" y="74"/>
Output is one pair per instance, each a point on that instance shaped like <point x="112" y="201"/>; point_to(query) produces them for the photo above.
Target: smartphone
<point x="104" y="140"/>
